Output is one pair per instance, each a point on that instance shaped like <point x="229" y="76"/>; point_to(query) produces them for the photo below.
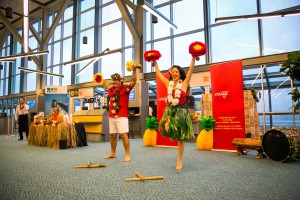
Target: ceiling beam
<point x="34" y="33"/>
<point x="11" y="28"/>
<point x="60" y="13"/>
<point x="130" y="4"/>
<point x="38" y="3"/>
<point x="128" y="19"/>
<point x="5" y="32"/>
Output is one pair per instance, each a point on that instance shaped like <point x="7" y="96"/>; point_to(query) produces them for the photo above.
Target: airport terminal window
<point x="86" y="49"/>
<point x="111" y="64"/>
<point x="110" y="13"/>
<point x="68" y="14"/>
<point x="239" y="40"/>
<point x="56" y="70"/>
<point x="161" y="29"/>
<point x="111" y="36"/>
<point x="87" y="75"/>
<point x="279" y="34"/>
<point x="222" y="8"/>
<point x="128" y="56"/>
<point x="235" y="40"/>
<point x="87" y="19"/>
<point x="281" y="100"/>
<point x="86" y="4"/>
<point x="128" y="37"/>
<point x="181" y="53"/>
<point x="32" y="42"/>
<point x="164" y="48"/>
<point x="31" y="81"/>
<point x="191" y="12"/>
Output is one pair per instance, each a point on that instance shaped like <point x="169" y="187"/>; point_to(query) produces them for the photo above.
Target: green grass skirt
<point x="176" y="123"/>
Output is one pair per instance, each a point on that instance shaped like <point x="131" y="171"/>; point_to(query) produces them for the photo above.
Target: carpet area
<point x="35" y="172"/>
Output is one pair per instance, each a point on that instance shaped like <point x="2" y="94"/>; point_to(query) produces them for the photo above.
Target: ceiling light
<point x="25" y="25"/>
<point x="96" y="58"/>
<point x="85" y="58"/>
<point x="8" y="60"/>
<point x="154" y="19"/>
<point x="9" y="12"/>
<point x="258" y="16"/>
<point x="147" y="6"/>
<point x="23" y="55"/>
<point x="88" y="58"/>
<point x="82" y="69"/>
<point x="40" y="72"/>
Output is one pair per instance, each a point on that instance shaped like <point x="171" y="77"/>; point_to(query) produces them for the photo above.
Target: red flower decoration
<point x="197" y="49"/>
<point x="98" y="78"/>
<point x="152" y="55"/>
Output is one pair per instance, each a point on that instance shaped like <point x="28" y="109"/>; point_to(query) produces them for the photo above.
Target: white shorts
<point x="118" y="125"/>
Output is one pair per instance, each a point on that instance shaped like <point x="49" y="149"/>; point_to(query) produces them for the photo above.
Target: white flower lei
<point x="171" y="100"/>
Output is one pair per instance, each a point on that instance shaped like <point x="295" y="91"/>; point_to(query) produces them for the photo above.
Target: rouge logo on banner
<point x="222" y="93"/>
<point x="227" y="104"/>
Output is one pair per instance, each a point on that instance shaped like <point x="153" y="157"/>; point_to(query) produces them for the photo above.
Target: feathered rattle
<point x="152" y="55"/>
<point x="197" y="49"/>
<point x="130" y="65"/>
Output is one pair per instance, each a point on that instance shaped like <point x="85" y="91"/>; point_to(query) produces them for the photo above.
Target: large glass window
<point x="234" y="41"/>
<point x="280" y="34"/>
<point x="181" y="49"/>
<point x="111" y="64"/>
<point x="110" y="13"/>
<point x="111" y="36"/>
<point x="225" y="42"/>
<point x="4" y="70"/>
<point x="60" y="48"/>
<point x="224" y="8"/>
<point x="187" y="16"/>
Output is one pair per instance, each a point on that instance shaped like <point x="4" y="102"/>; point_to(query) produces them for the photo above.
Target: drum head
<point x="276" y="145"/>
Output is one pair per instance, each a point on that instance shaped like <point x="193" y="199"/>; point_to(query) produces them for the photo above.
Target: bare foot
<point x="179" y="166"/>
<point x="110" y="156"/>
<point x="127" y="159"/>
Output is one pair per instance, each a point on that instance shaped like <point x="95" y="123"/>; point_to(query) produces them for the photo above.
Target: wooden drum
<point x="281" y="144"/>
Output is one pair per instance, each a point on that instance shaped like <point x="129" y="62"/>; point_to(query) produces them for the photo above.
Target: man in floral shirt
<point x="118" y="95"/>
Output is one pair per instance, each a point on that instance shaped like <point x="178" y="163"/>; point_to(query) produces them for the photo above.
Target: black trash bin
<point x="62" y="144"/>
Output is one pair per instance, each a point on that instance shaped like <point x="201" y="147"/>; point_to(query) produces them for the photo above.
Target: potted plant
<point x="150" y="134"/>
<point x="254" y="94"/>
<point x="205" y="137"/>
<point x="291" y="68"/>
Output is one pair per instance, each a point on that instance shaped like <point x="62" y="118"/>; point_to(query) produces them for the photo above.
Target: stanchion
<point x="10" y="126"/>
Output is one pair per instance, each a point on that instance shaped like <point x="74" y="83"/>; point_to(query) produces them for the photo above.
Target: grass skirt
<point x="176" y="123"/>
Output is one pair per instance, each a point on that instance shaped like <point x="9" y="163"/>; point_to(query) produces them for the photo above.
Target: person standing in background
<point x="21" y="118"/>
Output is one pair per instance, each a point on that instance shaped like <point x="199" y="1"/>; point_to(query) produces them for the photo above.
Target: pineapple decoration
<point x="150" y="134"/>
<point x="205" y="137"/>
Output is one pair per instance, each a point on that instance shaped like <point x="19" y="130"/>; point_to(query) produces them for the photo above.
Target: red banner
<point x="161" y="99"/>
<point x="228" y="104"/>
